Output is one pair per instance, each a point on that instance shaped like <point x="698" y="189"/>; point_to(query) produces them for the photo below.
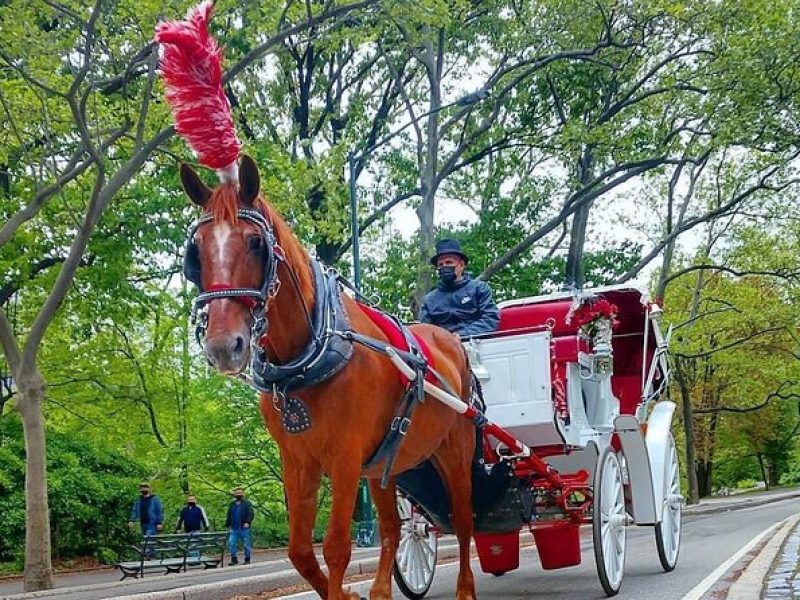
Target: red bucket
<point x="498" y="552"/>
<point x="558" y="543"/>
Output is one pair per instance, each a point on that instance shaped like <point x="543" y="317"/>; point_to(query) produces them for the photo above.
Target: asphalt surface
<point x="709" y="539"/>
<point x="713" y="531"/>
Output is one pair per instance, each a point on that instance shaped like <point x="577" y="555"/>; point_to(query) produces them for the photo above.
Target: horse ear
<point x="249" y="180"/>
<point x="194" y="187"/>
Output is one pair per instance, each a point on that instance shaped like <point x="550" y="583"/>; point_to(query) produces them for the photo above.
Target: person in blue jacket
<point x="147" y="512"/>
<point x="460" y="304"/>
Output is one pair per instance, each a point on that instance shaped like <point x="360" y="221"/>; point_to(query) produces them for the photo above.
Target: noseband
<point x="254" y="298"/>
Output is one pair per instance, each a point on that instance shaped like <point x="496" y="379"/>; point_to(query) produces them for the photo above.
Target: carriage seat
<point x="565" y="348"/>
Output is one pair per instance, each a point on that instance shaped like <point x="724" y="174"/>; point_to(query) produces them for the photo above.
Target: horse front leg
<point x="336" y="546"/>
<point x="301" y="484"/>
<point x="455" y="462"/>
<point x="389" y="522"/>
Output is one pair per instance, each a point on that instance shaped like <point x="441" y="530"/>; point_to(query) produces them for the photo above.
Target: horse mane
<point x="223" y="204"/>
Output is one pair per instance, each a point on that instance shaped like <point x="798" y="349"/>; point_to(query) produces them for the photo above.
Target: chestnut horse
<point x="349" y="412"/>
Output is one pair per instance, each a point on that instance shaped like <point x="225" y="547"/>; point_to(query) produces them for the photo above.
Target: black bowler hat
<point x="448" y="246"/>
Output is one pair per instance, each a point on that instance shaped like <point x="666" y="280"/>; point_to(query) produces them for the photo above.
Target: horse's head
<point x="230" y="255"/>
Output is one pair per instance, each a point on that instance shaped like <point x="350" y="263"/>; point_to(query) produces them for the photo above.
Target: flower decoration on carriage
<point x="595" y="318"/>
<point x="191" y="67"/>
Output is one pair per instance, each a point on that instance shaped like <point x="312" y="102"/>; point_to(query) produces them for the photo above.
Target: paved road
<point x="708" y="540"/>
<point x="711" y="536"/>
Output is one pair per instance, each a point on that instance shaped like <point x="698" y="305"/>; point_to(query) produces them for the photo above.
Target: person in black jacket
<point x="459" y="303"/>
<point x="192" y="518"/>
<point x="240" y="517"/>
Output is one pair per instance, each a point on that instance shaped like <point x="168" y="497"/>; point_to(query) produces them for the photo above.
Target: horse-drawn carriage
<point x="573" y="385"/>
<point x="576" y="384"/>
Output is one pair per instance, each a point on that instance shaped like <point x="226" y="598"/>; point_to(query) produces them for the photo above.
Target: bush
<point x="791" y="477"/>
<point x="746" y="484"/>
<point x="107" y="556"/>
<point x="89" y="490"/>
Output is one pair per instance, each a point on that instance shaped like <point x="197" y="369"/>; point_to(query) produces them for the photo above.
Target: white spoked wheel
<point x="609" y="519"/>
<point x="415" y="562"/>
<point x="668" y="531"/>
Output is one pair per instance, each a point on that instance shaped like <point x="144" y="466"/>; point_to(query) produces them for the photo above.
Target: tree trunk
<point x="575" y="275"/>
<point x="705" y="469"/>
<point x="38" y="564"/>
<point x="688" y="424"/>
<point x="428" y="179"/>
<point x="764" y="476"/>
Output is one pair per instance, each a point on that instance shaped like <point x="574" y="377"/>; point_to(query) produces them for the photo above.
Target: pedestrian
<point x="148" y="512"/>
<point x="193" y="517"/>
<point x="240" y="517"/>
<point x="460" y="304"/>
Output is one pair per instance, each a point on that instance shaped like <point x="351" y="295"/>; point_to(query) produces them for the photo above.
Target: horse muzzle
<point x="229" y="354"/>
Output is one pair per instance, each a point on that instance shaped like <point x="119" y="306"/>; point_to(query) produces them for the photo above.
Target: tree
<point x="75" y="108"/>
<point x="733" y="350"/>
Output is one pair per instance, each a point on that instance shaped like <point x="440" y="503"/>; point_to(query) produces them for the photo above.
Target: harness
<point x="326" y="352"/>
<point x="330" y="344"/>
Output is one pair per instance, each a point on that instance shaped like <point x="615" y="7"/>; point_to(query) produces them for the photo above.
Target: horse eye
<point x="255" y="243"/>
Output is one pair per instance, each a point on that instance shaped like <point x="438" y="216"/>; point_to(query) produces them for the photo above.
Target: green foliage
<point x="90" y="488"/>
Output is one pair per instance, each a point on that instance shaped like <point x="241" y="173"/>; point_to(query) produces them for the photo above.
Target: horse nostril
<point x="238" y="348"/>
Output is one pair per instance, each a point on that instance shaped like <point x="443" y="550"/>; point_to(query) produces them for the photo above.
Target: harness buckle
<point x="400" y="425"/>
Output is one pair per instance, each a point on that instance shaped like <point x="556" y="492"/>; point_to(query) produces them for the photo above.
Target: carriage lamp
<point x="603" y="360"/>
<point x="603" y="357"/>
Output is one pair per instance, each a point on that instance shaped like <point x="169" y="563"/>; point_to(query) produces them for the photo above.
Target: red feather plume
<point x="191" y="66"/>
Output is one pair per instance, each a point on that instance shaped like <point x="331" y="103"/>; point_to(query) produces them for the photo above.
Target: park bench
<point x="172" y="553"/>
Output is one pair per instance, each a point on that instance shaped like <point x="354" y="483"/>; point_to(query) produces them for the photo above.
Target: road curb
<point x="262" y="583"/>
<point x="750" y="583"/>
<point x="221" y="590"/>
<point x="711" y="508"/>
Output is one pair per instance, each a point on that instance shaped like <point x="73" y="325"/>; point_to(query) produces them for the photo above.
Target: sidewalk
<point x="271" y="569"/>
<point x="723" y="503"/>
<point x="783" y="582"/>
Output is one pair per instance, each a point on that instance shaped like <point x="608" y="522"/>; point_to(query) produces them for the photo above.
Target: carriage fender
<point x="645" y="460"/>
<point x="657" y="439"/>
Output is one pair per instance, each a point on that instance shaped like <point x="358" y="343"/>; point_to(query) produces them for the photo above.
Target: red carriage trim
<point x="396" y="338"/>
<point x="191" y="66"/>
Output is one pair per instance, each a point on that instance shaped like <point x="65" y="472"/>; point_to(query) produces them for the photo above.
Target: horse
<point x="242" y="243"/>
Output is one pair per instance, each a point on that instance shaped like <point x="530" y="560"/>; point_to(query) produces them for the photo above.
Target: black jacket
<point x="193" y="518"/>
<point x="466" y="309"/>
<point x="248" y="514"/>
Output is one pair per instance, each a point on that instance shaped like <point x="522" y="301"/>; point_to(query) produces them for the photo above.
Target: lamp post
<point x="367" y="532"/>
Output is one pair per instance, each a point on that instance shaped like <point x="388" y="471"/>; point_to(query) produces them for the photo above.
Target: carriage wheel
<point x="415" y="561"/>
<point x="668" y="531"/>
<point x="608" y="521"/>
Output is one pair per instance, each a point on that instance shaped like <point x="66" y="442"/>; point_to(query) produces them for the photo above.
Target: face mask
<point x="447" y="275"/>
<point x="238" y="497"/>
<point x="192" y="503"/>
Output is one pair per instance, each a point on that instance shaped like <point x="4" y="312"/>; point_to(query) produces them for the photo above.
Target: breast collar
<point x="325" y="354"/>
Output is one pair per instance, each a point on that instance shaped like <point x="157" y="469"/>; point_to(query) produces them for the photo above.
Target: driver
<point x="459" y="303"/>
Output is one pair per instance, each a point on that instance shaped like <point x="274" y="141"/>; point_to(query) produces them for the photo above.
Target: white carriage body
<point x="523" y="366"/>
<point x="557" y="395"/>
<point x="514" y="372"/>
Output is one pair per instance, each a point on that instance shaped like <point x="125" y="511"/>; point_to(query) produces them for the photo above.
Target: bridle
<point x="255" y="299"/>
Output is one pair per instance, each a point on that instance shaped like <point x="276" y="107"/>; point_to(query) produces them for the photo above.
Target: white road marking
<point x="701" y="588"/>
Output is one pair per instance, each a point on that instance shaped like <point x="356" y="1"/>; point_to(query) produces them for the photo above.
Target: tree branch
<point x="737" y="410"/>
